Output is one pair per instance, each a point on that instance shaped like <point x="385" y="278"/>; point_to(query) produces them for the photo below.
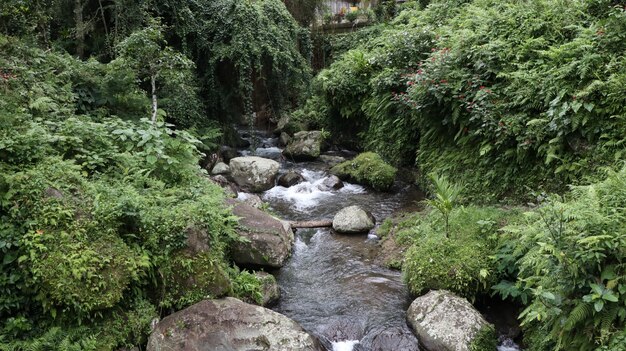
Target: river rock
<point x="269" y="240"/>
<point x="229" y="325"/>
<point x="253" y="173"/>
<point x="304" y="146"/>
<point x="290" y="179"/>
<point x="353" y="219"/>
<point x="220" y="168"/>
<point x="250" y="199"/>
<point x="332" y="160"/>
<point x="332" y="182"/>
<point x="444" y="321"/>
<point x="269" y="288"/>
<point x="284" y="139"/>
<point x="229" y="188"/>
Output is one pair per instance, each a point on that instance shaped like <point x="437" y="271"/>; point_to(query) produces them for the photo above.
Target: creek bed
<point x="331" y="285"/>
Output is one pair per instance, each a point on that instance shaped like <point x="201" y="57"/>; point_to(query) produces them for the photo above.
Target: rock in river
<point x="290" y="179"/>
<point x="253" y="173"/>
<point x="269" y="240"/>
<point x="445" y="322"/>
<point x="229" y="325"/>
<point x="353" y="219"/>
<point x="304" y="146"/>
<point x="220" y="168"/>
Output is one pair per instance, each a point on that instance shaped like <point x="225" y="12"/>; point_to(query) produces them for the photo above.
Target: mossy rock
<point x="369" y="169"/>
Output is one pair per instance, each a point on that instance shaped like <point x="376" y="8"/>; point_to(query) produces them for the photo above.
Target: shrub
<point x="367" y="168"/>
<point x="567" y="259"/>
<point x="461" y="263"/>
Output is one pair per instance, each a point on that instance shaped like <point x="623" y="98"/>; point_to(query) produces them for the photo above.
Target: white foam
<point x="352" y="189"/>
<point x="509" y="345"/>
<point x="299" y="245"/>
<point x="305" y="195"/>
<point x="346" y="345"/>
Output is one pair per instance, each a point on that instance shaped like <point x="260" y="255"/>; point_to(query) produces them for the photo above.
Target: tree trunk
<point x="312" y="224"/>
<point x="80" y="28"/>
<point x="154" y="99"/>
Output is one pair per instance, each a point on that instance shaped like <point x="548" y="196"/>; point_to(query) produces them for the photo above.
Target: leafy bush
<point x="367" y="168"/>
<point x="568" y="258"/>
<point x="460" y="263"/>
<point x="461" y="88"/>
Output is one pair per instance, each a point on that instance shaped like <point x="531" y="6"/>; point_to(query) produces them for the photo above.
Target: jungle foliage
<point x="501" y="95"/>
<point x="97" y="201"/>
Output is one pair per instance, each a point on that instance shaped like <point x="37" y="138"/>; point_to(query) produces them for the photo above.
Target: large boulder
<point x="304" y="146"/>
<point x="284" y="139"/>
<point x="290" y="179"/>
<point x="353" y="219"/>
<point x="446" y="322"/>
<point x="254" y="173"/>
<point x="268" y="240"/>
<point x="229" y="325"/>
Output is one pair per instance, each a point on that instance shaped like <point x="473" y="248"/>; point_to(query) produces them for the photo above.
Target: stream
<point x="332" y="285"/>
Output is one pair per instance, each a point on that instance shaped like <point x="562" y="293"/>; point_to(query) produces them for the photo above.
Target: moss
<point x="461" y="263"/>
<point x="367" y="168"/>
<point x="192" y="278"/>
<point x="484" y="340"/>
<point x="385" y="228"/>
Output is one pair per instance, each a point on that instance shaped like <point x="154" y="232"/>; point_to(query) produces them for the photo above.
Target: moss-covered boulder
<point x="369" y="169"/>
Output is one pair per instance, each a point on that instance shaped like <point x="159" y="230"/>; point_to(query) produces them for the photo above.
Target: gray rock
<point x="444" y="321"/>
<point x="304" y="146"/>
<point x="269" y="240"/>
<point x="269" y="289"/>
<point x="353" y="219"/>
<point x="250" y="199"/>
<point x="290" y="179"/>
<point x="220" y="168"/>
<point x="284" y="139"/>
<point x="253" y="173"/>
<point x="332" y="182"/>
<point x="229" y="188"/>
<point x="332" y="160"/>
<point x="229" y="325"/>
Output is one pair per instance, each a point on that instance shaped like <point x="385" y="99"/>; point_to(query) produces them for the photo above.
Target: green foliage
<point x="485" y="340"/>
<point x="567" y="257"/>
<point x="367" y="168"/>
<point x="247" y="287"/>
<point x="462" y="263"/>
<point x="461" y="85"/>
<point x="102" y="220"/>
<point x="446" y="196"/>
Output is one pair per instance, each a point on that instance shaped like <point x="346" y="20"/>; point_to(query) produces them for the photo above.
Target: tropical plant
<point x="445" y="198"/>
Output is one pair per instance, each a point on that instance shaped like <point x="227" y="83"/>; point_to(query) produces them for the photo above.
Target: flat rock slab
<point x="229" y="325"/>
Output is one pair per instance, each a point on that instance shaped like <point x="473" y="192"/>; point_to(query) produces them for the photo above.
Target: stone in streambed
<point x="305" y="146"/>
<point x="269" y="288"/>
<point x="446" y="322"/>
<point x="332" y="182"/>
<point x="229" y="325"/>
<point x="353" y="219"/>
<point x="220" y="168"/>
<point x="269" y="240"/>
<point x="290" y="179"/>
<point x="255" y="174"/>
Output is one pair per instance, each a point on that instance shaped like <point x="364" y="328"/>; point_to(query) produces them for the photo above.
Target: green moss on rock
<point x="367" y="168"/>
<point x="485" y="340"/>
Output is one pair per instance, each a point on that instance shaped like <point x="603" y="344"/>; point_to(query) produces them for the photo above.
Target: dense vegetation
<point x="501" y="95"/>
<point x="101" y="192"/>
<point x="107" y="109"/>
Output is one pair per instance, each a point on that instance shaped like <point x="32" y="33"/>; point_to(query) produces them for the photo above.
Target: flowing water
<point x="331" y="284"/>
